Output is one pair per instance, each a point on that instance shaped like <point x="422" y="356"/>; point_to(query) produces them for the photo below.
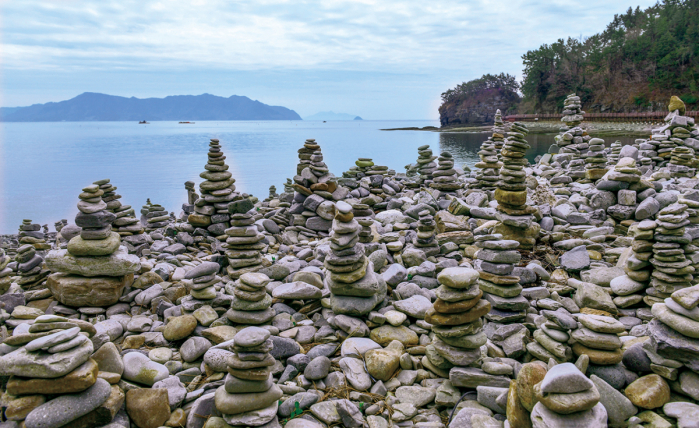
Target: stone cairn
<point x="637" y="268"/>
<point x="488" y="168"/>
<point x="201" y="281"/>
<point x="30" y="233"/>
<point x="595" y="161"/>
<point x="365" y="167"/>
<point x="272" y="193"/>
<point x="573" y="139"/>
<point x="289" y="186"/>
<point x="552" y="335"/>
<point x="29" y="267"/>
<point x="613" y="156"/>
<point x="498" y="137"/>
<point x="598" y="338"/>
<point x="365" y="217"/>
<point x="192" y="196"/>
<point x="94" y="269"/>
<point x="5" y="272"/>
<point x="312" y="209"/>
<point x="425" y="238"/>
<point x="249" y="396"/>
<point x="156" y="217"/>
<point x="251" y="302"/>
<point x="444" y="177"/>
<point x="244" y="241"/>
<point x="425" y="164"/>
<point x="457" y="320"/>
<point x="496" y="260"/>
<point x="125" y="223"/>
<point x="516" y="220"/>
<point x="355" y="289"/>
<point x="218" y="189"/>
<point x="567" y="398"/>
<point x="672" y="271"/>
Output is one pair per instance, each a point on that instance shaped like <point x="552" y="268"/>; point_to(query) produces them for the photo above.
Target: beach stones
<point x="551" y="337"/>
<point x="29" y="267"/>
<point x="154" y="216"/>
<point x="597" y="338"/>
<point x="248" y="395"/>
<point x="124" y="221"/>
<point x="355" y="289"/>
<point x="244" y="242"/>
<point x="425" y="238"/>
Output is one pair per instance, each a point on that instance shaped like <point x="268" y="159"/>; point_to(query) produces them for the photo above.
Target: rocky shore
<point x="557" y="294"/>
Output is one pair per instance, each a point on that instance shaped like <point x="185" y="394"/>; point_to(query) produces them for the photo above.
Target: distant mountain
<point x="329" y="115"/>
<point x="91" y="106"/>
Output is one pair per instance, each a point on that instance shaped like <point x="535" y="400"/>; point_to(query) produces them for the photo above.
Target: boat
<point x="143" y="122"/>
<point x="188" y="123"/>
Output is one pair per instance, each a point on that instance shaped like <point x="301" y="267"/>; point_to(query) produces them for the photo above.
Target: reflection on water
<point x="465" y="146"/>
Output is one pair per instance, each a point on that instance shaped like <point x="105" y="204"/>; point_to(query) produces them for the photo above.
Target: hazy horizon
<point x="379" y="60"/>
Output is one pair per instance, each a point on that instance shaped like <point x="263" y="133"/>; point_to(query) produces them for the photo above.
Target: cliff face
<point x="478" y="108"/>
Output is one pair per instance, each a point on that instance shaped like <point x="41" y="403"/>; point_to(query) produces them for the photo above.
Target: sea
<point x="44" y="165"/>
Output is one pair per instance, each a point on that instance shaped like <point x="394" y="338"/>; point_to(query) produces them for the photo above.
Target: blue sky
<point x="379" y="59"/>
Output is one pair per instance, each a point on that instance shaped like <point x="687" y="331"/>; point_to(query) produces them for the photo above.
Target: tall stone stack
<point x="496" y="260"/>
<point x="573" y="115"/>
<point x="5" y="272"/>
<point x="567" y="398"/>
<point x="249" y="396"/>
<point x="425" y="163"/>
<point x="573" y="139"/>
<point x="312" y="207"/>
<point x="30" y="233"/>
<point x="145" y="209"/>
<point x="94" y="269"/>
<point x="499" y="130"/>
<point x="217" y="190"/>
<point x="552" y="335"/>
<point x="613" y="156"/>
<point x="244" y="241"/>
<point x="444" y="177"/>
<point x="595" y="160"/>
<point x="597" y="337"/>
<point x="156" y="217"/>
<point x="251" y="302"/>
<point x="29" y="267"/>
<point x="355" y="289"/>
<point x="672" y="271"/>
<point x="125" y="222"/>
<point x="487" y="175"/>
<point x="629" y="287"/>
<point x="516" y="217"/>
<point x="425" y="239"/>
<point x="457" y="319"/>
<point x="365" y="217"/>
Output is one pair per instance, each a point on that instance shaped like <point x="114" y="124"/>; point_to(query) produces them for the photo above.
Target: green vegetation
<point x="640" y="60"/>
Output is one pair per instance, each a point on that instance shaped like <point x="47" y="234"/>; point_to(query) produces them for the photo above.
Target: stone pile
<point x="94" y="269"/>
<point x="125" y="222"/>
<point x="499" y="130"/>
<point x="272" y="193"/>
<point x="425" y="164"/>
<point x="217" y="190"/>
<point x="30" y="233"/>
<point x="249" y="396"/>
<point x="496" y="260"/>
<point x="201" y="281"/>
<point x="488" y="168"/>
<point x="30" y="267"/>
<point x="598" y="338"/>
<point x="444" y="177"/>
<point x="365" y="217"/>
<point x="595" y="160"/>
<point x="613" y="155"/>
<point x="251" y="304"/>
<point x="312" y="209"/>
<point x="425" y="238"/>
<point x="5" y="272"/>
<point x="289" y="186"/>
<point x="672" y="271"/>
<point x="552" y="335"/>
<point x="573" y="115"/>
<point x="244" y="241"/>
<point x="155" y="215"/>
<point x="629" y="288"/>
<point x="682" y="162"/>
<point x="355" y="289"/>
<point x="457" y="320"/>
<point x="567" y="398"/>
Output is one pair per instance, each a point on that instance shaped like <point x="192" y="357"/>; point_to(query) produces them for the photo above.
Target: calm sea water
<point x="43" y="166"/>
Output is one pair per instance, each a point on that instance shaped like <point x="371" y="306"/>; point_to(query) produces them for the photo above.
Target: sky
<point x="379" y="59"/>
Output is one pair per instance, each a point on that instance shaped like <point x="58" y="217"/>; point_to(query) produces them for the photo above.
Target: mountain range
<point x="91" y="106"/>
<point x="330" y="115"/>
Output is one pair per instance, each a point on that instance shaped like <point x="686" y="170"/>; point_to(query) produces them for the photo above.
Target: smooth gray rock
<point x="66" y="408"/>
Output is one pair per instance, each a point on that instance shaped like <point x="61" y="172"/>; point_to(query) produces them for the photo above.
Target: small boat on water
<point x="143" y="122"/>
<point x="187" y="123"/>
